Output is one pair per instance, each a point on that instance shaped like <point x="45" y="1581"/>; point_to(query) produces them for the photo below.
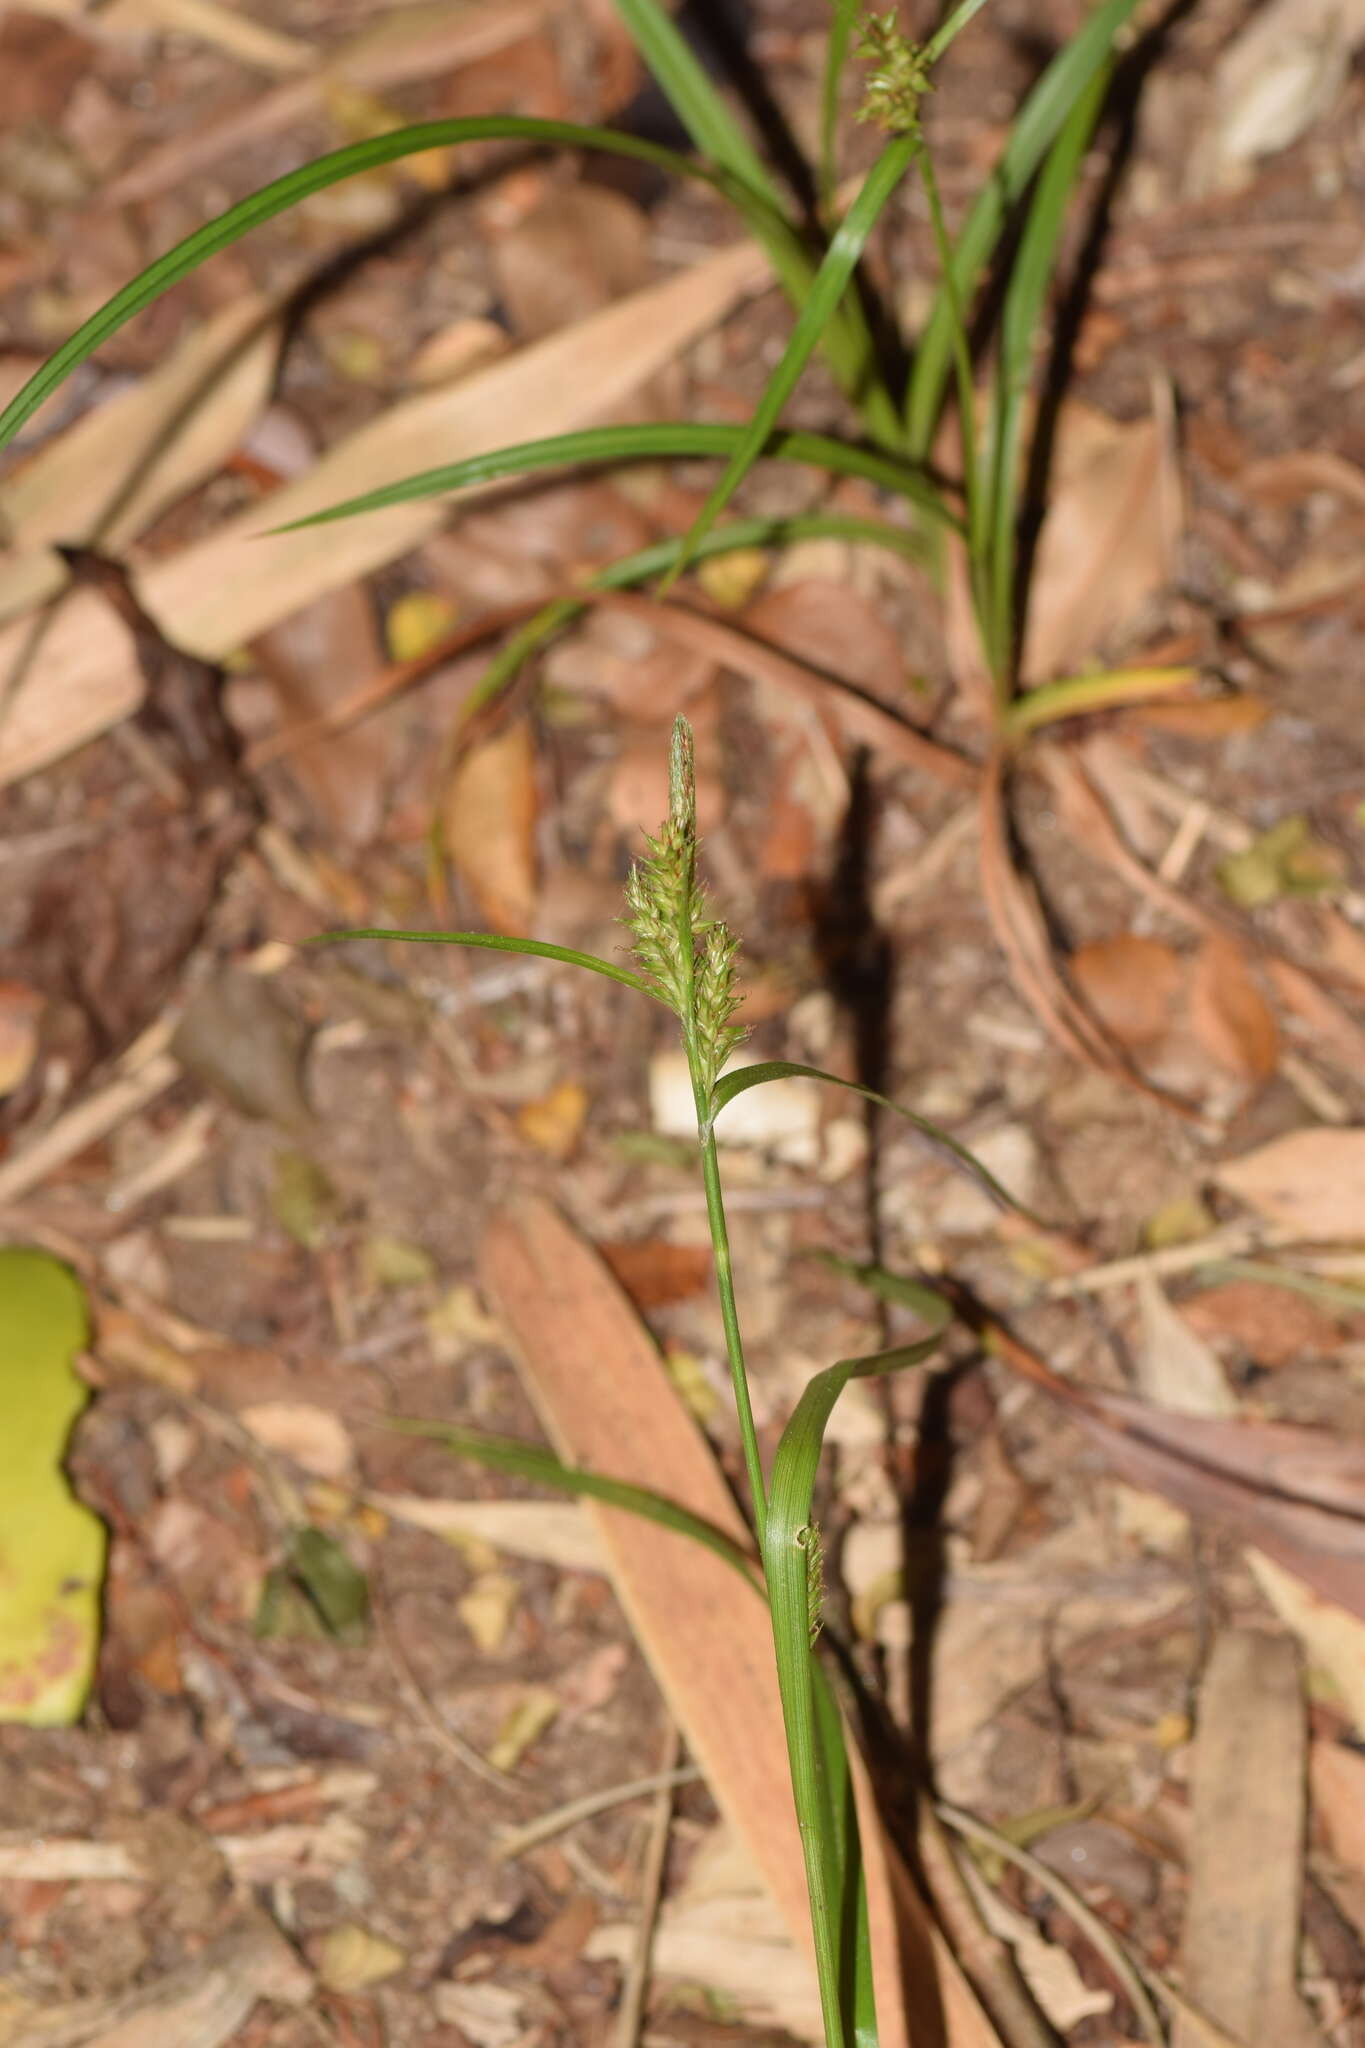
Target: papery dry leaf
<point x="1231" y="1018"/>
<point x="1333" y="1640"/>
<point x="1311" y="1182"/>
<point x="1107" y="541"/>
<point x="579" y="249"/>
<point x="548" y="1531"/>
<point x="1338" y="1038"/>
<point x="90" y="678"/>
<point x="1241" y="1938"/>
<point x="489" y="817"/>
<point x="1206" y="718"/>
<point x="1131" y="983"/>
<point x="1275" y="78"/>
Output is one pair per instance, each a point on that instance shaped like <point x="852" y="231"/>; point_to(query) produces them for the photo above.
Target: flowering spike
<point x="688" y="956"/>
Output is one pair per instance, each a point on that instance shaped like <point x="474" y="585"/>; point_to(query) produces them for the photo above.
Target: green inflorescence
<point x="688" y="956"/>
<point x="895" y="88"/>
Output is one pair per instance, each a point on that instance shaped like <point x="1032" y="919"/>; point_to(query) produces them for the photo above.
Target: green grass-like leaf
<point x="1030" y="280"/>
<point x="677" y="438"/>
<point x="786" y="1540"/>
<point x="822" y="301"/>
<point x="283" y="193"/>
<point x="1032" y="134"/>
<point x="497" y="942"/>
<point x="741" y="1078"/>
<point x="531" y="1461"/>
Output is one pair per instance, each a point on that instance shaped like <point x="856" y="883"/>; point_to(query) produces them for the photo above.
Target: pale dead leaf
<point x="833" y="627"/>
<point x="1311" y="1182"/>
<point x="1131" y="983"/>
<point x="224" y="28"/>
<point x="1231" y="1018"/>
<point x="549" y="1531"/>
<point x="1106" y="543"/>
<point x="1333" y="1640"/>
<point x="1176" y="1368"/>
<point x="90" y="677"/>
<point x="489" y="819"/>
<point x="310" y="1436"/>
<point x="1241" y="1937"/>
<point x="1046" y="1967"/>
<point x="1275" y="79"/>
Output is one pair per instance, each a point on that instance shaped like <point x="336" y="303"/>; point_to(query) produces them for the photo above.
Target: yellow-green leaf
<point x="51" y="1548"/>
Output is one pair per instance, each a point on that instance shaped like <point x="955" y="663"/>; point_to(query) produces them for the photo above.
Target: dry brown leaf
<point x="1336" y="1778"/>
<point x="1241" y="1937"/>
<point x="1333" y="1640"/>
<point x="607" y="1402"/>
<point x="489" y="820"/>
<point x="1232" y="1020"/>
<point x="1206" y="718"/>
<point x="1107" y="541"/>
<point x="655" y="1272"/>
<point x="1311" y="1182"/>
<point x="316" y="658"/>
<point x="1131" y="983"/>
<point x="106" y="478"/>
<point x="579" y="249"/>
<point x="1296" y="1494"/>
<point x="90" y="678"/>
<point x="1340" y="1039"/>
<point x="1274" y="1325"/>
<point x="549" y="1531"/>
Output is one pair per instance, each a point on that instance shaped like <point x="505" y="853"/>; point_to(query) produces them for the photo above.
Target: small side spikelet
<point x="688" y="957"/>
<point x="893" y="93"/>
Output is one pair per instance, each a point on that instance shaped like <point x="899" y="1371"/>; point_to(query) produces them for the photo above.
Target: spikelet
<point x="892" y="95"/>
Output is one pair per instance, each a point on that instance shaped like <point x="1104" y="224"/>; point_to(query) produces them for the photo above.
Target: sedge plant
<point x="686" y="960"/>
<point x="1025" y="197"/>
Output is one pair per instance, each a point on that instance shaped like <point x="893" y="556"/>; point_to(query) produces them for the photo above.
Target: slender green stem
<point x="729" y="1315"/>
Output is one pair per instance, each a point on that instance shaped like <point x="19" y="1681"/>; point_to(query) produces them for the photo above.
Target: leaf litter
<point x="409" y="1156"/>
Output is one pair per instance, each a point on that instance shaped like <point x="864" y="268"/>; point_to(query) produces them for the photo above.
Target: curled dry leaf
<point x="1311" y="1182"/>
<point x="1132" y="984"/>
<point x="1231" y="1017"/>
<point x="1176" y="1368"/>
<point x="489" y="816"/>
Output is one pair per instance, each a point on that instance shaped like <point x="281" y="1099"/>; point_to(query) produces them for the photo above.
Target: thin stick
<point x="559" y="1819"/>
<point x="636" y="1983"/>
<point x="463" y="1752"/>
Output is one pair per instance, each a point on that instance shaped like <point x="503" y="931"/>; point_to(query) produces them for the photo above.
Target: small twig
<point x="1101" y="1938"/>
<point x="630" y="2012"/>
<point x="516" y="1841"/>
<point x="987" y="1960"/>
<point x="1173" y="1258"/>
<point x="408" y="1684"/>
